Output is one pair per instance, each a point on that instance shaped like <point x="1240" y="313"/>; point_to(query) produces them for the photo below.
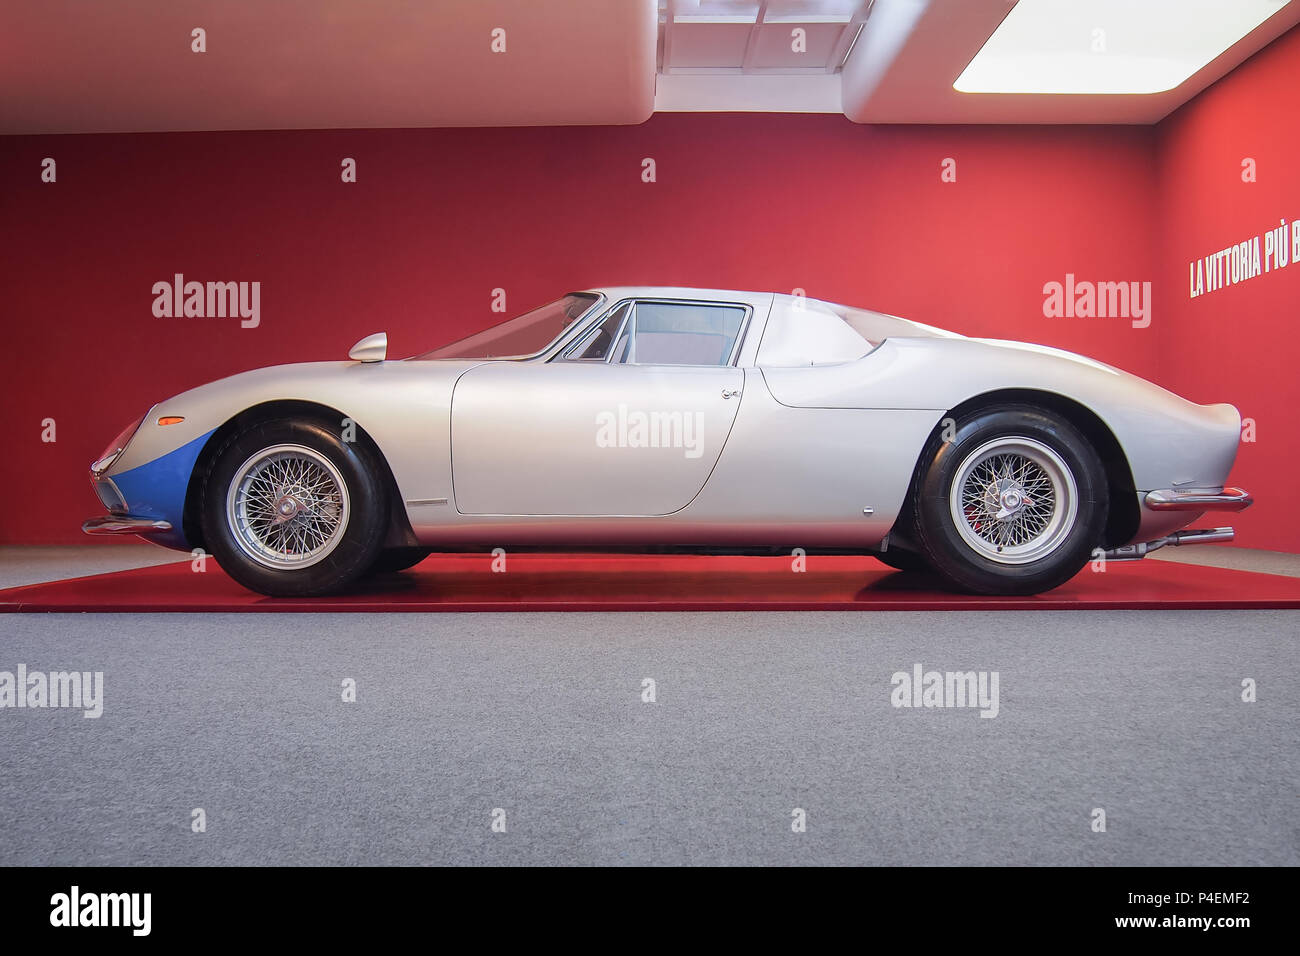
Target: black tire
<point x="392" y="560"/>
<point x="1004" y="451"/>
<point x="901" y="560"/>
<point x="358" y="530"/>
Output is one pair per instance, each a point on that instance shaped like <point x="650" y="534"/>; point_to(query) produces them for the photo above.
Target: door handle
<point x="730" y="392"/>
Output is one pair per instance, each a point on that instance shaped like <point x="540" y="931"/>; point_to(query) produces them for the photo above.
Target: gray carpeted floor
<point x="21" y="565"/>
<point x="541" y="715"/>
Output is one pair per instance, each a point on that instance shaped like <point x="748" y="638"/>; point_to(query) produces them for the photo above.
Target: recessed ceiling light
<point x="1108" y="46"/>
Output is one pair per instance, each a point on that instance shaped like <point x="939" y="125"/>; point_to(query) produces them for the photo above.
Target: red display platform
<point x="598" y="582"/>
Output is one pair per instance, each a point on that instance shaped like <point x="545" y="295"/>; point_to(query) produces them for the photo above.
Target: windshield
<point x="522" y="336"/>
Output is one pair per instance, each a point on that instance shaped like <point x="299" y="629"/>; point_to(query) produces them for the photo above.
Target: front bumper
<point x="118" y="520"/>
<point x="125" y="524"/>
<point x="147" y="498"/>
<point x="1171" y="499"/>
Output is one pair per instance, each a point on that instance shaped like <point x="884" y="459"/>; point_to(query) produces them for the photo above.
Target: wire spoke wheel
<point x="288" y="507"/>
<point x="1014" y="500"/>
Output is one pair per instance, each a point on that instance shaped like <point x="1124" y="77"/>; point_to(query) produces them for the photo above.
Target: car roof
<point x="615" y="292"/>
<point x="761" y="299"/>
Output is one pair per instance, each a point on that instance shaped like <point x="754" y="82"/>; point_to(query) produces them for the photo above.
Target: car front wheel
<point x="1015" y="503"/>
<point x="292" y="510"/>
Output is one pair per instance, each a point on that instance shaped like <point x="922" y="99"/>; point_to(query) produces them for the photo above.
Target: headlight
<point x="115" y="448"/>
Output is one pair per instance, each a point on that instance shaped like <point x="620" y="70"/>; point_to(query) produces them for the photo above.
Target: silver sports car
<point x="667" y="419"/>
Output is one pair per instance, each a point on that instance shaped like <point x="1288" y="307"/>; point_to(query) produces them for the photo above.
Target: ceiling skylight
<point x="1108" y="46"/>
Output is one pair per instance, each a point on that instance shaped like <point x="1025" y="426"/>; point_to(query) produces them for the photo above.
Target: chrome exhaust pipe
<point x="1136" y="552"/>
<point x="1200" y="536"/>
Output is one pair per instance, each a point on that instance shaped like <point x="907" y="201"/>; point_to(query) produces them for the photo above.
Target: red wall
<point x="441" y="217"/>
<point x="1240" y="343"/>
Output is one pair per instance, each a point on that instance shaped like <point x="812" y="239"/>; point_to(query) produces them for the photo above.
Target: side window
<point x="680" y="333"/>
<point x="595" y="345"/>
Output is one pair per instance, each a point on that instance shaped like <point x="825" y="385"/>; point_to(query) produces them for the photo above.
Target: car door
<point x="628" y="420"/>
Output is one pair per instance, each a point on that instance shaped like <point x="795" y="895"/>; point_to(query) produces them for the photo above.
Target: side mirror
<point x="373" y="348"/>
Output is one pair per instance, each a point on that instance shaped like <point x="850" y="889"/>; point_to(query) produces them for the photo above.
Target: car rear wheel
<point x="292" y="510"/>
<point x="1015" y="503"/>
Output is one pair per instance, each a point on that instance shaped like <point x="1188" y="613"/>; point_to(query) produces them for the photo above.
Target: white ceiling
<point x="895" y="61"/>
<point x="93" y="66"/>
<point x="74" y="66"/>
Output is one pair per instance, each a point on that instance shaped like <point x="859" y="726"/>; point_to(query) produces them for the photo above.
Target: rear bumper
<point x="125" y="524"/>
<point x="1171" y="499"/>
